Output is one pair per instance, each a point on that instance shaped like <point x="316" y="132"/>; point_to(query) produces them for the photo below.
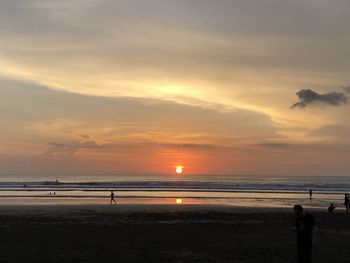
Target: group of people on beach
<point x="331" y="207"/>
<point x="305" y="225"/>
<point x="346" y="204"/>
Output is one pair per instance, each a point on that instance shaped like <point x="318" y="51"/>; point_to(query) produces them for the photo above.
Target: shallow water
<point x="256" y="191"/>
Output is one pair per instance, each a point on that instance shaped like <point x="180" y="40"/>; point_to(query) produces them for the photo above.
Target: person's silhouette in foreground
<point x="112" y="198"/>
<point x="331" y="208"/>
<point x="346" y="203"/>
<point x="310" y="193"/>
<point x="304" y="226"/>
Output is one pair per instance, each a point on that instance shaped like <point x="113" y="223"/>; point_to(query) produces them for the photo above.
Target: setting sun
<point x="179" y="169"/>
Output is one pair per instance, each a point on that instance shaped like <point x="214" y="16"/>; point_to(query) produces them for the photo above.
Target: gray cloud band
<point x="308" y="97"/>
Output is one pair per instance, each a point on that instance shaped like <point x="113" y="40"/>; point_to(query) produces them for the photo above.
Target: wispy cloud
<point x="62" y="150"/>
<point x="309" y="97"/>
<point x="274" y="145"/>
<point x="59" y="151"/>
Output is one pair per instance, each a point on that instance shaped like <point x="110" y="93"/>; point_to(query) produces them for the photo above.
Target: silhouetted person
<point x="304" y="225"/>
<point x="346" y="203"/>
<point x="112" y="198"/>
<point x="331" y="208"/>
<point x="310" y="193"/>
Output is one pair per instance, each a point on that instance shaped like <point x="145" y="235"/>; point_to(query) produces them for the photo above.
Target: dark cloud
<point x="88" y="142"/>
<point x="61" y="150"/>
<point x="308" y="97"/>
<point x="195" y="146"/>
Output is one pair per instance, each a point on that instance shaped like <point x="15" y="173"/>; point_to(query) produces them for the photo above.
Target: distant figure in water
<point x="304" y="226"/>
<point x="54" y="193"/>
<point x="331" y="208"/>
<point x="310" y="193"/>
<point x="346" y="203"/>
<point x="112" y="198"/>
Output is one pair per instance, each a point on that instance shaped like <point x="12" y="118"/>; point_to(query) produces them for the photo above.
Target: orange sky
<point x="142" y="86"/>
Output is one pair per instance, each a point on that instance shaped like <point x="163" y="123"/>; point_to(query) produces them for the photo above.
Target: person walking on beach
<point x="304" y="226"/>
<point x="310" y="193"/>
<point x="346" y="203"/>
<point x="112" y="198"/>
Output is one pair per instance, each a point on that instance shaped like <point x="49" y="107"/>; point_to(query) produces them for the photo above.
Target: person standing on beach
<point x="112" y="198"/>
<point x="304" y="226"/>
<point x="310" y="193"/>
<point x="346" y="203"/>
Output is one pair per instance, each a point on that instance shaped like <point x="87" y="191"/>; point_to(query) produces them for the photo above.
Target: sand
<point x="163" y="233"/>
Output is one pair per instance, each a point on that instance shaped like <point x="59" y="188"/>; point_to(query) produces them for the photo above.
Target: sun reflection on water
<point x="179" y="201"/>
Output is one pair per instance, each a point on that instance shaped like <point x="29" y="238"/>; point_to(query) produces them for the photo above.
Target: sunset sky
<point x="140" y="86"/>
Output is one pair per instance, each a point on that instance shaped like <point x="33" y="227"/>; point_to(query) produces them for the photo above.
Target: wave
<point x="184" y="186"/>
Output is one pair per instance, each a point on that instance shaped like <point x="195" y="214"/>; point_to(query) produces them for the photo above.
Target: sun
<point x="179" y="169"/>
<point x="178" y="200"/>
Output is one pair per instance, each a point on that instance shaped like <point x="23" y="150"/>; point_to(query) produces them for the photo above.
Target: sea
<point x="231" y="190"/>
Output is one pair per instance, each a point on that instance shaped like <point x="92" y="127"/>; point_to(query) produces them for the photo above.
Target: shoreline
<point x="314" y="204"/>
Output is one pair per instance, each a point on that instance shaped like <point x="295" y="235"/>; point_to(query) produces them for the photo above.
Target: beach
<point x="163" y="233"/>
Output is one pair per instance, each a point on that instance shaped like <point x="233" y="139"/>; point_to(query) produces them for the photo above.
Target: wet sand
<point x="163" y="233"/>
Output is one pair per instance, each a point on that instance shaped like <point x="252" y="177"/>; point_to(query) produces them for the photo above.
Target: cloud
<point x="190" y="146"/>
<point x="143" y="47"/>
<point x="88" y="142"/>
<point x="85" y="137"/>
<point x="59" y="151"/>
<point x="119" y="120"/>
<point x="347" y="89"/>
<point x="274" y="145"/>
<point x="332" y="133"/>
<point x="308" y="97"/>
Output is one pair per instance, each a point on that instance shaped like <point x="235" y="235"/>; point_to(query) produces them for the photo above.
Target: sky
<point x="140" y="86"/>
